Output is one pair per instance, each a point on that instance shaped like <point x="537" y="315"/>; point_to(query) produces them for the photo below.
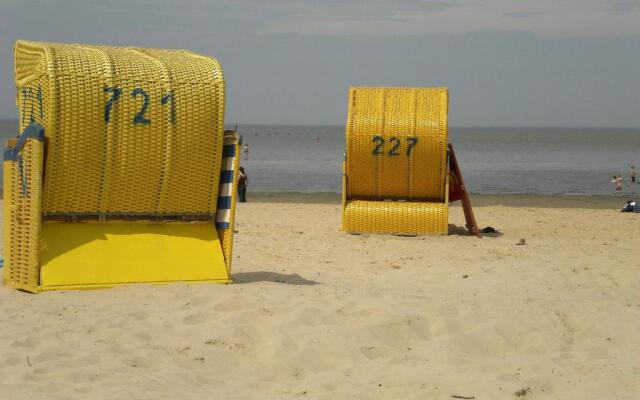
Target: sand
<point x="319" y="314"/>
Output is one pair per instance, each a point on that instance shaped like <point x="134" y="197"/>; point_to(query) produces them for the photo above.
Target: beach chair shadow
<point x="276" y="277"/>
<point x="458" y="230"/>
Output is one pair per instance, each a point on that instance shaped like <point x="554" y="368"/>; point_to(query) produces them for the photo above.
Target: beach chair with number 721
<point x="123" y="171"/>
<point x="400" y="173"/>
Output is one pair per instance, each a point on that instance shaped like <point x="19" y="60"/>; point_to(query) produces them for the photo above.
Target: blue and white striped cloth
<point x="227" y="185"/>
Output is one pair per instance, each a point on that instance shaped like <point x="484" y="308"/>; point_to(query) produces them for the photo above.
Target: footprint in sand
<point x="194" y="319"/>
<point x="232" y="305"/>
<point x="143" y="336"/>
<point x="12" y="361"/>
<point x="375" y="352"/>
<point x="142" y="362"/>
<point x="28" y="343"/>
<point x="47" y="356"/>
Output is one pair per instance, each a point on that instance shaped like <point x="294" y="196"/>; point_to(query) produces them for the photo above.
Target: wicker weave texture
<point x="396" y="217"/>
<point x="395" y="172"/>
<point x="407" y="128"/>
<point x="129" y="130"/>
<point x="23" y="193"/>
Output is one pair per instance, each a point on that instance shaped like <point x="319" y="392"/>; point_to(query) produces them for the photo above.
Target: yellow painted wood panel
<point x="79" y="254"/>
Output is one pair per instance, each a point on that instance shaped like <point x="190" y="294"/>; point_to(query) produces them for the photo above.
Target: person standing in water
<point x="243" y="182"/>
<point x="632" y="174"/>
<point x="617" y="180"/>
<point x="245" y="150"/>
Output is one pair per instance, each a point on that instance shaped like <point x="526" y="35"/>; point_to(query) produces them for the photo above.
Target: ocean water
<point x="493" y="160"/>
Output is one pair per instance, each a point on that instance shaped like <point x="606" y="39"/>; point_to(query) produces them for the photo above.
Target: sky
<point x="546" y="63"/>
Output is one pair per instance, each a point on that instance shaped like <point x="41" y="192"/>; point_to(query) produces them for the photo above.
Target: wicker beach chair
<point x="123" y="171"/>
<point x="398" y="169"/>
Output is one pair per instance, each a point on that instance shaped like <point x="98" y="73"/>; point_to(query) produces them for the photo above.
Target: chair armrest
<point x="33" y="131"/>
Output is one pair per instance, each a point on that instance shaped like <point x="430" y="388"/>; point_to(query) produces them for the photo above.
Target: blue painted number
<point x="379" y="141"/>
<point x="394" y="149"/>
<point x="139" y="118"/>
<point x="169" y="98"/>
<point x="29" y="95"/>
<point x="115" y="95"/>
<point x="395" y="145"/>
<point x="412" y="142"/>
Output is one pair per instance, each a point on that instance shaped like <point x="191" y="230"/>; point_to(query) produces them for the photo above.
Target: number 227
<point x="395" y="144"/>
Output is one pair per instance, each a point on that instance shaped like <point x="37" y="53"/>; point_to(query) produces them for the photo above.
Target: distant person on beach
<point x="632" y="174"/>
<point x="243" y="182"/>
<point x="617" y="181"/>
<point x="245" y="150"/>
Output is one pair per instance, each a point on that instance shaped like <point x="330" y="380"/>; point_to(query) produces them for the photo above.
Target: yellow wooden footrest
<point x="75" y="255"/>
<point x="395" y="217"/>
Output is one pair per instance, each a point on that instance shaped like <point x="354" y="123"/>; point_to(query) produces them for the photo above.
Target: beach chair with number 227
<point x="400" y="173"/>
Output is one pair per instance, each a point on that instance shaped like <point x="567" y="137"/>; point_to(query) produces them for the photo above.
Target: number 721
<point x="140" y="117"/>
<point x="394" y="143"/>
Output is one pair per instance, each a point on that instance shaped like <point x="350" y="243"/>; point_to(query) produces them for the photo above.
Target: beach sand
<point x="316" y="313"/>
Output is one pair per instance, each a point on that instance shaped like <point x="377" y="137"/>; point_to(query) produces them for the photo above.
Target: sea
<point x="287" y="158"/>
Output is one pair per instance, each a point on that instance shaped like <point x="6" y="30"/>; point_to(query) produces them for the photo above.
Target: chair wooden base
<point x="457" y="191"/>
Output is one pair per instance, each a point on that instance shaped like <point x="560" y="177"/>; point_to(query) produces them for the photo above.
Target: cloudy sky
<point x="506" y="62"/>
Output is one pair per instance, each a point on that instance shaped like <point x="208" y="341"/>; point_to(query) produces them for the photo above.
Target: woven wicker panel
<point x="133" y="131"/>
<point x="396" y="143"/>
<point x="395" y="217"/>
<point x="22" y="189"/>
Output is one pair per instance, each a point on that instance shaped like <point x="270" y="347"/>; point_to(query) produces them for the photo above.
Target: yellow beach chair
<point x="123" y="171"/>
<point x="398" y="163"/>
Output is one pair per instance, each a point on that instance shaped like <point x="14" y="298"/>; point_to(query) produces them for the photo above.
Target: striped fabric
<point x="227" y="185"/>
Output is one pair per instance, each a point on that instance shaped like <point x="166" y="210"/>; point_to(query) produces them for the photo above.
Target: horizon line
<point x="333" y="125"/>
